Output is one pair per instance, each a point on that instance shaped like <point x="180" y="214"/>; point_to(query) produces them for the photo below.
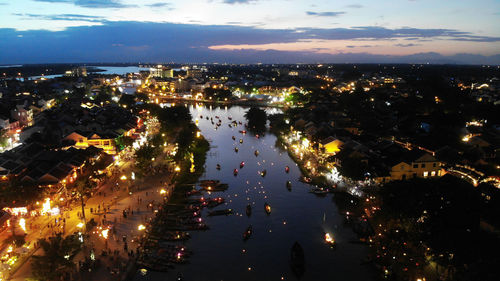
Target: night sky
<point x="250" y="31"/>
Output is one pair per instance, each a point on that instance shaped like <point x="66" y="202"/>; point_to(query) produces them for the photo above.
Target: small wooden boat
<point x="267" y="208"/>
<point x="247" y="233"/>
<point x="230" y="118"/>
<point x="218" y="167"/>
<point x="263" y="173"/>
<point x="289" y="185"/>
<point x="249" y="210"/>
<point x="256" y="152"/>
<point x="287" y="169"/>
<point x="243" y="132"/>
<point x="319" y="191"/>
<point x="235" y="149"/>
<point x="242" y="164"/>
<point x="241" y="140"/>
<point x="209" y="182"/>
<point x="297" y="260"/>
<point x="220" y="212"/>
<point x="233" y="138"/>
<point x="235" y="172"/>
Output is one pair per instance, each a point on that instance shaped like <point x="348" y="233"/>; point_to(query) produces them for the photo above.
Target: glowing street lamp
<point x="141" y="227"/>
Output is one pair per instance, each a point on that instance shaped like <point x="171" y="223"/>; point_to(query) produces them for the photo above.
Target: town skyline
<point x="226" y="31"/>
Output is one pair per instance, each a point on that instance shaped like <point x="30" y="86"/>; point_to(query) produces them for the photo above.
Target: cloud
<point x="232" y="2"/>
<point x="355" y="6"/>
<point x="407" y="45"/>
<point x="361" y="46"/>
<point x="139" y="41"/>
<point x="63" y="17"/>
<point x="324" y="14"/>
<point x="91" y="3"/>
<point x="160" y="5"/>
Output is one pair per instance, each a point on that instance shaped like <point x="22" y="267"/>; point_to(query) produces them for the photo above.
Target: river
<point x="297" y="215"/>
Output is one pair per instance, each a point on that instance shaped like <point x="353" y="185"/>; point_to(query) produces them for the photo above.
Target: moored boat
<point x="235" y="149"/>
<point x="263" y="173"/>
<point x="287" y="169"/>
<point x="249" y="210"/>
<point x="289" y="185"/>
<point x="242" y="164"/>
<point x="218" y="167"/>
<point x="220" y="212"/>
<point x="209" y="182"/>
<point x="241" y="140"/>
<point x="235" y="172"/>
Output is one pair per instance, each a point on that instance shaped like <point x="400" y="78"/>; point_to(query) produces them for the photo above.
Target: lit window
<point x="433" y="173"/>
<point x="426" y="174"/>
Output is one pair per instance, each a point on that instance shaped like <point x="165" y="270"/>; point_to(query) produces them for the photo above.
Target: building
<point x="331" y="145"/>
<point x="23" y="114"/>
<point x="160" y="71"/>
<point x="423" y="166"/>
<point x="84" y="140"/>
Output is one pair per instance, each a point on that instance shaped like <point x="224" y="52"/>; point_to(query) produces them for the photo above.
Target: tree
<point x="123" y="141"/>
<point x="82" y="186"/>
<point x="144" y="155"/>
<point x="142" y="97"/>
<point x="57" y="258"/>
<point x="4" y="140"/>
<point x="127" y="100"/>
<point x="256" y="119"/>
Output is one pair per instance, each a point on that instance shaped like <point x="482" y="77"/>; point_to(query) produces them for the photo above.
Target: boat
<point x="249" y="210"/>
<point x="207" y="117"/>
<point x="256" y="153"/>
<point x="263" y="173"/>
<point x="241" y="140"/>
<point x="192" y="192"/>
<point x="209" y="182"/>
<point x="242" y="164"/>
<point x="289" y="185"/>
<point x="220" y="212"/>
<point x="247" y="233"/>
<point x="319" y="191"/>
<point x="243" y="132"/>
<point x="329" y="239"/>
<point x="235" y="149"/>
<point x="287" y="169"/>
<point x="267" y="208"/>
<point x="297" y="260"/>
<point x="306" y="179"/>
<point x="230" y="118"/>
<point x="235" y="172"/>
<point x="218" y="167"/>
<point x="233" y="138"/>
<point x="219" y="187"/>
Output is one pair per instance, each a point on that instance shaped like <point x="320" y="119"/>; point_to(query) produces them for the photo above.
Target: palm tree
<point x="57" y="258"/>
<point x="81" y="187"/>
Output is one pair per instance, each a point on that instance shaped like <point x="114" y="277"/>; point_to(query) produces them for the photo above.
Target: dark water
<point x="221" y="254"/>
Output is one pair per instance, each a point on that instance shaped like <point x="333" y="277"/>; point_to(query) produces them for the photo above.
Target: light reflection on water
<point x="297" y="215"/>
